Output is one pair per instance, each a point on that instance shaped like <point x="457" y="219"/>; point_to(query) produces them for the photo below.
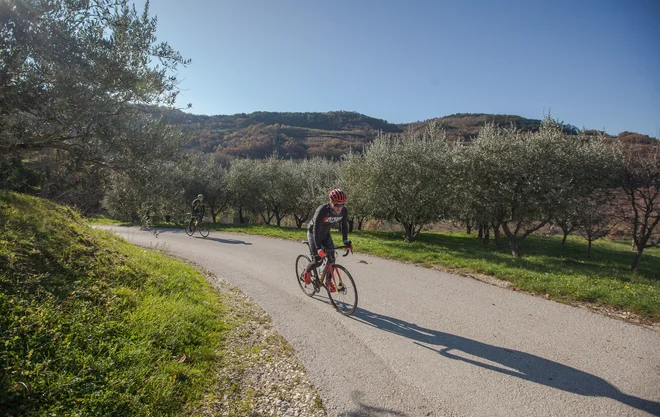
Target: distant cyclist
<point x="197" y="207"/>
<point x="318" y="230"/>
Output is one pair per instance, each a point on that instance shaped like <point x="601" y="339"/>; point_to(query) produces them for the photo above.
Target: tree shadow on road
<point x="215" y="239"/>
<point x="228" y="241"/>
<point x="506" y="361"/>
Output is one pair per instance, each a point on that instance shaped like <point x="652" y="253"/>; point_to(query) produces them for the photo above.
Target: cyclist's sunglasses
<point x="337" y="205"/>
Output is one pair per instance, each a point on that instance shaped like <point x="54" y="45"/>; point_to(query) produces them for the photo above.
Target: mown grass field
<point x="91" y="325"/>
<point x="546" y="268"/>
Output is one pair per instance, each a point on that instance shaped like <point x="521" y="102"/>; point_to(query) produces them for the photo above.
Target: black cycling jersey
<point x="197" y="207"/>
<point x="324" y="218"/>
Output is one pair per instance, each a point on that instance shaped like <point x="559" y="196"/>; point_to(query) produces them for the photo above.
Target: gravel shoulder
<point x="269" y="379"/>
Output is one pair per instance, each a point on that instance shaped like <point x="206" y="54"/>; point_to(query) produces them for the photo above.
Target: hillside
<point x="330" y="134"/>
<point x="93" y="326"/>
<point x="295" y="135"/>
<point x="466" y="126"/>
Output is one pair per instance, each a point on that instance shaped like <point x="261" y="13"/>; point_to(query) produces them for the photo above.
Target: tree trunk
<point x="279" y="220"/>
<point x="515" y="249"/>
<point x="410" y="229"/>
<point x="468" y="228"/>
<point x="214" y="215"/>
<point x="267" y="218"/>
<point x="299" y="221"/>
<point x="360" y="224"/>
<point x="513" y="241"/>
<point x="589" y="249"/>
<point x="638" y="257"/>
<point x="496" y="231"/>
<point x="241" y="220"/>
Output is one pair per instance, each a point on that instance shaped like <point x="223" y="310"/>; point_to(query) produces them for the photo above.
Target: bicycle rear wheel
<point x="203" y="230"/>
<point x="345" y="296"/>
<point x="301" y="263"/>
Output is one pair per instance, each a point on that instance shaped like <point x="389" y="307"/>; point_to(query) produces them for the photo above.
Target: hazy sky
<point x="593" y="64"/>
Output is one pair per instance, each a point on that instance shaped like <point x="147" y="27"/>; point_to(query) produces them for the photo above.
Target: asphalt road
<point x="428" y="343"/>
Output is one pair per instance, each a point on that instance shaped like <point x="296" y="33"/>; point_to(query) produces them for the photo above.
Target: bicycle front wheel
<point x="301" y="263"/>
<point x="190" y="229"/>
<point x="203" y="230"/>
<point x="344" y="296"/>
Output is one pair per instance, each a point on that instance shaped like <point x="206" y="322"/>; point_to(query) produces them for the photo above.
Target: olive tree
<point x="278" y="188"/>
<point x="404" y="178"/>
<point x="72" y="71"/>
<point x="245" y="188"/>
<point x="70" y="180"/>
<point x="468" y="205"/>
<point x="123" y="198"/>
<point x="150" y="170"/>
<point x="353" y="181"/>
<point x="512" y="189"/>
<point x="146" y="193"/>
<point x="594" y="217"/>
<point x="313" y="178"/>
<point x="522" y="179"/>
<point x="567" y="219"/>
<point x="592" y="168"/>
<point x="640" y="180"/>
<point x="205" y="175"/>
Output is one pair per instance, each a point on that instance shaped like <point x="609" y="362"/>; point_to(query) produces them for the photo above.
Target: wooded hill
<point x="295" y="135"/>
<point x="329" y="135"/>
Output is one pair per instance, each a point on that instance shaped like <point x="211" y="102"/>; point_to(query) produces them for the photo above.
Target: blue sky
<point x="593" y="64"/>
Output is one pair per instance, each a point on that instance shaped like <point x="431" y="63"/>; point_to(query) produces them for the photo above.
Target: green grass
<point x="563" y="273"/>
<point x="90" y="325"/>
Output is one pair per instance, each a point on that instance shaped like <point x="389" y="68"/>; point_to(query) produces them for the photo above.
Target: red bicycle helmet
<point x="337" y="196"/>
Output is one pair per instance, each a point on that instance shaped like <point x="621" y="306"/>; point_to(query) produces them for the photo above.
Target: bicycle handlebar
<point x="348" y="248"/>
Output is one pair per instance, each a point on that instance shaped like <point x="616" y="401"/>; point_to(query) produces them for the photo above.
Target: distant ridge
<point x="467" y="125"/>
<point x="326" y="134"/>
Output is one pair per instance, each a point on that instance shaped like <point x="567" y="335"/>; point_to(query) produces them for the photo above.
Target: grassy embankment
<point x="91" y="325"/>
<point x="564" y="274"/>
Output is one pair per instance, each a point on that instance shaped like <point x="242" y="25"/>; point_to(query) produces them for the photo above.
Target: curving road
<point x="427" y="343"/>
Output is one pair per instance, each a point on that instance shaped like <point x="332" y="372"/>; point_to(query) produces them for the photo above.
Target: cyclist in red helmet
<point x="318" y="230"/>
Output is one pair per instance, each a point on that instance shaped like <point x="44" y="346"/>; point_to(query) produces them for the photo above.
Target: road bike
<point x="197" y="226"/>
<point x="336" y="280"/>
